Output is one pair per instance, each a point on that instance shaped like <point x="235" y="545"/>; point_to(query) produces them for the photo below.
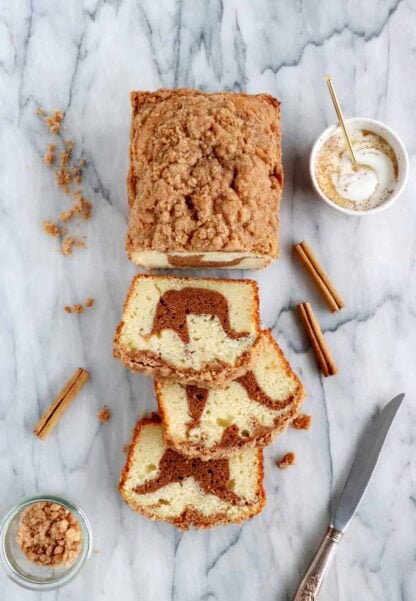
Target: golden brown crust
<point x="190" y="517"/>
<point x="262" y="436"/>
<point x="215" y="375"/>
<point x="232" y="208"/>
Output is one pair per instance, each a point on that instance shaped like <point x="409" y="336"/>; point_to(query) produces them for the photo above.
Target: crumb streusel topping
<point x="205" y="172"/>
<point x="49" y="534"/>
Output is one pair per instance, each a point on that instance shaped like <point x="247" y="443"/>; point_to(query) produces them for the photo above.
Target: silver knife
<point x="349" y="500"/>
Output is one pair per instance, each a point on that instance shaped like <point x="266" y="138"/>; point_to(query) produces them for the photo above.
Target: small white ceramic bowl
<point x="386" y="133"/>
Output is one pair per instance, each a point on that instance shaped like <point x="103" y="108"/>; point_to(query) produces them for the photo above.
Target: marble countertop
<point x="84" y="57"/>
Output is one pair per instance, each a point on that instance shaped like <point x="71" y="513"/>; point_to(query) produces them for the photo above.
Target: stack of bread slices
<point x="224" y="390"/>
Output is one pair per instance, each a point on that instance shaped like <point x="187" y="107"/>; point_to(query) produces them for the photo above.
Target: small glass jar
<point x="31" y="575"/>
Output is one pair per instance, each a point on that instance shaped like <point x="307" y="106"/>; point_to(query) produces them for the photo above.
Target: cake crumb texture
<point x="67" y="173"/>
<point x="78" y="308"/>
<point x="104" y="414"/>
<point x="302" y="422"/>
<point x="68" y="244"/>
<point x="287" y="460"/>
<point x="51" y="228"/>
<point x="54" y="121"/>
<point x="49" y="535"/>
<point x="205" y="172"/>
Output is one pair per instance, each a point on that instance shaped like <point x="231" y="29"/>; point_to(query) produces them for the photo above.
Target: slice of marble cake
<point x="164" y="485"/>
<point x="249" y="412"/>
<point x="196" y="331"/>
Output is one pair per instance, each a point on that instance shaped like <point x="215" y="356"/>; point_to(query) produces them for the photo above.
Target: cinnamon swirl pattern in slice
<point x="195" y="331"/>
<point x="164" y="485"/>
<point x="249" y="412"/>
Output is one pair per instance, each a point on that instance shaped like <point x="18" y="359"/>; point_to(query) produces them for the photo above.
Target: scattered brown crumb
<point x="302" y="422"/>
<point x="49" y="535"/>
<point x="54" y="121"/>
<point x="84" y="207"/>
<point x="68" y="174"/>
<point x="104" y="414"/>
<point x="126" y="448"/>
<point x="63" y="177"/>
<point x="51" y="228"/>
<point x="64" y="157"/>
<point x="67" y="215"/>
<point x="49" y="158"/>
<point x="68" y="243"/>
<point x="78" y="308"/>
<point x="77" y="174"/>
<point x="287" y="460"/>
<point x="81" y="207"/>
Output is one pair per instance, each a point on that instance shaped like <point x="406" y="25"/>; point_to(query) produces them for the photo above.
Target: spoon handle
<point x="341" y="120"/>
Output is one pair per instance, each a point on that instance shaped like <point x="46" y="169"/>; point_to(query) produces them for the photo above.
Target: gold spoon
<point x="341" y="121"/>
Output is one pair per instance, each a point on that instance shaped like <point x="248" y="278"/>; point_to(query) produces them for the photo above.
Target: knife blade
<point x="351" y="495"/>
<point x="364" y="465"/>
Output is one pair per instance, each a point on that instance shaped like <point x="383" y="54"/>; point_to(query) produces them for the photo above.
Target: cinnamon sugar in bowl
<point x="44" y="542"/>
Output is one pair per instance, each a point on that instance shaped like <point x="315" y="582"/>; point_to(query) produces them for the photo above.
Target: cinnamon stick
<point x="319" y="344"/>
<point x="62" y="401"/>
<point x="319" y="276"/>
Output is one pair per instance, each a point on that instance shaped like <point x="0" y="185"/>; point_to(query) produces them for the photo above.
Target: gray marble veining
<point x="85" y="57"/>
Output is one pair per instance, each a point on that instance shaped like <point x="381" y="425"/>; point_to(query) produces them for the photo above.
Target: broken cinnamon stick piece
<point x="319" y="344"/>
<point x="64" y="398"/>
<point x="319" y="276"/>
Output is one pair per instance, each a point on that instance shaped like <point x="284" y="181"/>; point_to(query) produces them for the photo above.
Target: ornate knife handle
<point x="311" y="583"/>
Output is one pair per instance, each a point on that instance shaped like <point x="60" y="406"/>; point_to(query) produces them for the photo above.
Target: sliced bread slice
<point x="249" y="412"/>
<point x="163" y="485"/>
<point x="191" y="330"/>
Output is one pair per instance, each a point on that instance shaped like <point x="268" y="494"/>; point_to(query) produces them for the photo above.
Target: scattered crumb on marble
<point x="66" y="215"/>
<point x="50" y="228"/>
<point x="82" y="207"/>
<point x="77" y="174"/>
<point x="54" y="121"/>
<point x="68" y="244"/>
<point x="67" y="174"/>
<point x="63" y="177"/>
<point x="104" y="414"/>
<point x="65" y="157"/>
<point x="49" y="158"/>
<point x="126" y="448"/>
<point x="78" y="308"/>
<point x="302" y="422"/>
<point x="49" y="535"/>
<point x="287" y="460"/>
